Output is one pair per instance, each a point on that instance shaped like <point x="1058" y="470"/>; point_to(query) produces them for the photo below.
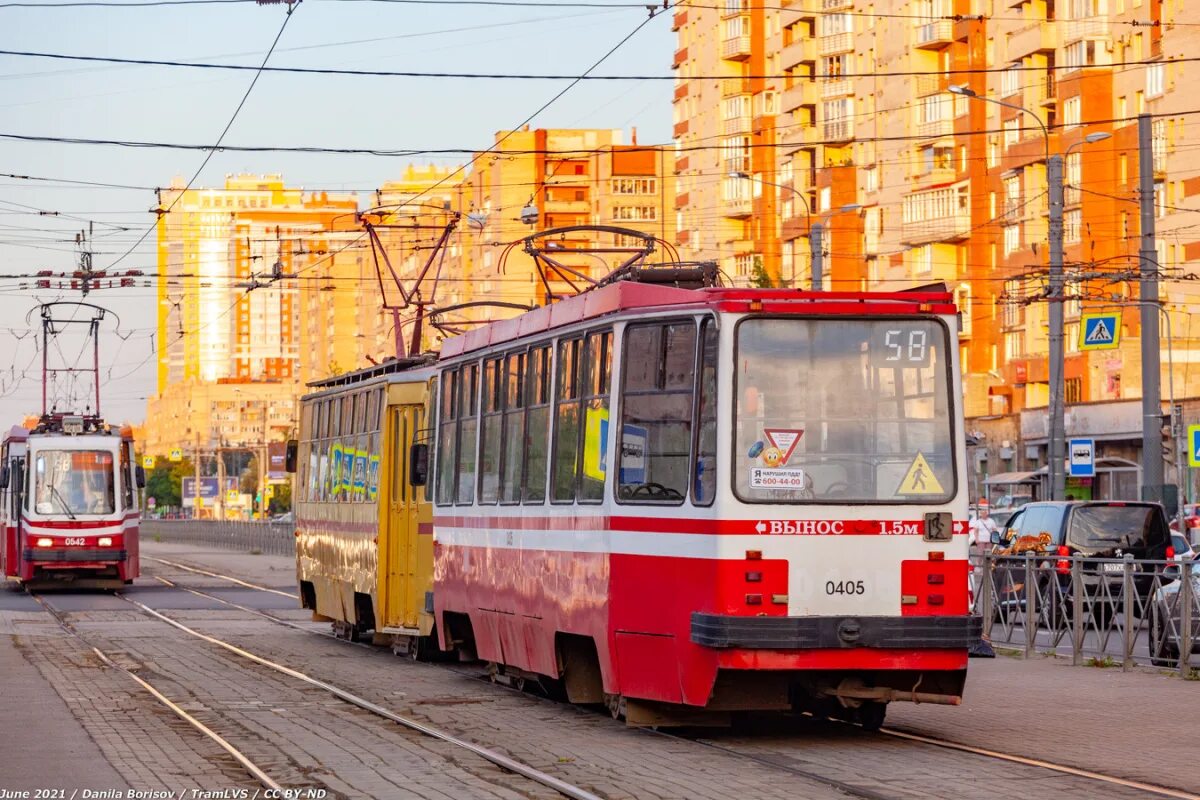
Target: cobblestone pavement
<point x="1084" y="717"/>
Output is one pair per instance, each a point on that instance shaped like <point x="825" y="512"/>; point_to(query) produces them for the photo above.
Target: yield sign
<point x="784" y="440"/>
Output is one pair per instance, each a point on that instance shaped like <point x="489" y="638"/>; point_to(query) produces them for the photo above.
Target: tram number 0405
<point x="845" y="587"/>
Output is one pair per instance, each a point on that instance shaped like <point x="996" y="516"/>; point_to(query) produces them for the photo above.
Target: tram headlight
<point x="104" y="541"/>
<point x="45" y="542"/>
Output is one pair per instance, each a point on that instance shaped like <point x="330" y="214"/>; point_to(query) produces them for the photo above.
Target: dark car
<point x="1100" y="529"/>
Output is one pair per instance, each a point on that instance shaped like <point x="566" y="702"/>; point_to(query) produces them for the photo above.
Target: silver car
<point x="1166" y="629"/>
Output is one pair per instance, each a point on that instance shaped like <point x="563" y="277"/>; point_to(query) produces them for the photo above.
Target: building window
<point x="1014" y="345"/>
<point x="1074" y="177"/>
<point x="1072" y="111"/>
<point x="1073" y="390"/>
<point x="1010" y="80"/>
<point x="871" y="179"/>
<point x="1071" y="226"/>
<point x="1012" y="132"/>
<point x="1012" y="239"/>
<point x="1012" y="195"/>
<point x="635" y="186"/>
<point x="1155" y="74"/>
<point x="635" y="213"/>
<point x="962" y="299"/>
<point x="834" y="67"/>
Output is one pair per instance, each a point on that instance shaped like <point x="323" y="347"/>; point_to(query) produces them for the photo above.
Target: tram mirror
<point x="139" y="475"/>
<point x="3" y="477"/>
<point x="289" y="457"/>
<point x="418" y="464"/>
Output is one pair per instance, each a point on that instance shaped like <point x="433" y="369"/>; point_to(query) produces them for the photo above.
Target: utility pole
<point x="1152" y="452"/>
<point x="196" y="485"/>
<point x="817" y="243"/>
<point x="1056" y="449"/>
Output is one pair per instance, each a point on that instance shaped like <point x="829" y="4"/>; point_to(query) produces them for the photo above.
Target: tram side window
<point x="465" y="473"/>
<point x="514" y="428"/>
<point x="447" y="427"/>
<point x="490" y="437"/>
<point x="566" y="427"/>
<point x="537" y="425"/>
<point x="704" y="478"/>
<point x="656" y="417"/>
<point x="597" y="384"/>
<point x="126" y="484"/>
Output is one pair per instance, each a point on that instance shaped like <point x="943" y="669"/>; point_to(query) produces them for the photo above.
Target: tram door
<point x="404" y="585"/>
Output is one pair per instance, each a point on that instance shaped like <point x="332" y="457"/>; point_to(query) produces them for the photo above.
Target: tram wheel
<point x="870" y="715"/>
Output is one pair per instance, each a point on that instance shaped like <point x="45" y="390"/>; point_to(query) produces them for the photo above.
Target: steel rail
<point x="866" y="794"/>
<point x="502" y="761"/>
<point x="258" y="774"/>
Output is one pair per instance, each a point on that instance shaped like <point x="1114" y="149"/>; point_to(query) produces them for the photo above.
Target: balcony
<point x="935" y="35"/>
<point x="930" y="84"/>
<point x="838" y="130"/>
<point x="799" y="137"/>
<point x="1094" y="28"/>
<point x="736" y="49"/>
<point x="681" y="128"/>
<point x="679" y="20"/>
<point x="734" y="86"/>
<point x="801" y="51"/>
<point x="836" y="5"/>
<point x="1036" y="37"/>
<point x="680" y="56"/>
<point x="802" y="93"/>
<point x="943" y="229"/>
<point x="735" y="126"/>
<point x="937" y="176"/>
<point x="838" y="88"/>
<point x="838" y="43"/>
<point x="737" y="207"/>
<point x="733" y="9"/>
<point x="935" y="129"/>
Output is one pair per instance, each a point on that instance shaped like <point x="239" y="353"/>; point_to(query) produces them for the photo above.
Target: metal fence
<point x="275" y="538"/>
<point x="1102" y="611"/>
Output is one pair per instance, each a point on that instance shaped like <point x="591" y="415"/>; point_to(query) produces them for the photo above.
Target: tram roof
<point x="629" y="296"/>
<point x="388" y="367"/>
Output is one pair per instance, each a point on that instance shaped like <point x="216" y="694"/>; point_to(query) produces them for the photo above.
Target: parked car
<point x="1091" y="529"/>
<point x="284" y="518"/>
<point x="1166" y="617"/>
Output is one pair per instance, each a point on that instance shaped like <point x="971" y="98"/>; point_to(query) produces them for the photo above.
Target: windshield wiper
<point x="67" y="508"/>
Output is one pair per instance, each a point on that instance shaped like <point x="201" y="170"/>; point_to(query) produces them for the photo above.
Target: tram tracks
<point x="779" y="760"/>
<point x="257" y="772"/>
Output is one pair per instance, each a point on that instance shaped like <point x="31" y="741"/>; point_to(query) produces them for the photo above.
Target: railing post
<point x="1031" y="619"/>
<point x="1126" y="611"/>
<point x="1076" y="610"/>
<point x="986" y="585"/>
<point x="1186" y="600"/>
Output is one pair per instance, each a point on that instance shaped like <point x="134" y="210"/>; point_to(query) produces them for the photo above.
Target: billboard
<point x="209" y="490"/>
<point x="276" y="461"/>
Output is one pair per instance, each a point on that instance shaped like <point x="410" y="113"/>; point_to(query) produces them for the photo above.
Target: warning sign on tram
<point x="920" y="479"/>
<point x="784" y="440"/>
<point x="1100" y="331"/>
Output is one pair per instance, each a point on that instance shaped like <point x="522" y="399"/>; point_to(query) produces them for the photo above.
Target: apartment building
<point x="846" y="119"/>
<point x="230" y="264"/>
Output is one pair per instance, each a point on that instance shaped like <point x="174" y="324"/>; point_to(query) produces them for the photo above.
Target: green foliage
<point x="282" y="501"/>
<point x="1101" y="663"/>
<point x="165" y="482"/>
<point x="759" y="278"/>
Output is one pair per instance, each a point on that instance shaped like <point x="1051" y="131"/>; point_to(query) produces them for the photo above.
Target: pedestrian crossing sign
<point x="1100" y="331"/>
<point x="919" y="479"/>
<point x="1193" y="445"/>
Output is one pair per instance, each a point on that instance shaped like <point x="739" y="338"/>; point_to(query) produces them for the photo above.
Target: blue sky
<point x="57" y="98"/>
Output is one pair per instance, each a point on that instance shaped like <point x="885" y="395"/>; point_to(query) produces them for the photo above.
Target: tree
<point x="282" y="501"/>
<point x="759" y="278"/>
<point x="165" y="482"/>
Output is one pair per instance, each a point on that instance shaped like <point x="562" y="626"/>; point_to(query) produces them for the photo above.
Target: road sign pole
<point x="1152" y="449"/>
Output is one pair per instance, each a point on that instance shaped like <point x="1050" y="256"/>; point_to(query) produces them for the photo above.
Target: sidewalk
<point x="1140" y="725"/>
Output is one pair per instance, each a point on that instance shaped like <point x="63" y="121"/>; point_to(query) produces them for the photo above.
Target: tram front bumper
<point x="825" y="633"/>
<point x="61" y="554"/>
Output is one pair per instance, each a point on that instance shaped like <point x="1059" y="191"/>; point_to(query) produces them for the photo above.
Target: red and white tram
<point x="70" y="504"/>
<point x="689" y="502"/>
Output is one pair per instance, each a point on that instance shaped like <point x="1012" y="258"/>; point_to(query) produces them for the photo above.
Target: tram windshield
<point x="73" y="482"/>
<point x="843" y="411"/>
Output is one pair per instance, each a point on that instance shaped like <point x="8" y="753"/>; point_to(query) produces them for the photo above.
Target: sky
<point x="43" y="97"/>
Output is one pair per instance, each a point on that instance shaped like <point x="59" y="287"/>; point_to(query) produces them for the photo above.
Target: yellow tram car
<point x="364" y="527"/>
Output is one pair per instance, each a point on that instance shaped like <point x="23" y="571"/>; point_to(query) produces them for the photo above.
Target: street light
<point x="1056" y="449"/>
<point x="815" y="230"/>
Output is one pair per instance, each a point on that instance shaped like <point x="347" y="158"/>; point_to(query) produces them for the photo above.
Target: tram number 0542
<point x="845" y="587"/>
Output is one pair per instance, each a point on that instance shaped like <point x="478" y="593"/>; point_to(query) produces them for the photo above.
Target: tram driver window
<point x="656" y="417"/>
